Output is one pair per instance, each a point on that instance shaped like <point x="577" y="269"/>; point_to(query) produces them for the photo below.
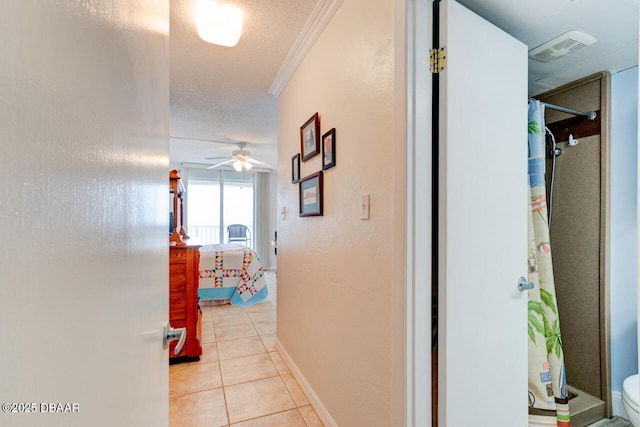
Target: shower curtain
<point x="548" y="397"/>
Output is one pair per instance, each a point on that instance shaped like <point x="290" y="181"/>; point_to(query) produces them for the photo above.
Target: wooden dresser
<point x="184" y="310"/>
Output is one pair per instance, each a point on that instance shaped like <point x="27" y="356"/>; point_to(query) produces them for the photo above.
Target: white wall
<point x="624" y="253"/>
<point x="340" y="279"/>
<point x="83" y="194"/>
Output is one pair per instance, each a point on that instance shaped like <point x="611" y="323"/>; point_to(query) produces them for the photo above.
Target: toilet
<point x="631" y="399"/>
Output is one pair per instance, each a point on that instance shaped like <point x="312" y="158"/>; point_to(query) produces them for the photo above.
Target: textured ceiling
<point x="221" y="94"/>
<point x="613" y="22"/>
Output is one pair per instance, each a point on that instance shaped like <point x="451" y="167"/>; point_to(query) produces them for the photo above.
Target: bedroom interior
<point x="199" y="272"/>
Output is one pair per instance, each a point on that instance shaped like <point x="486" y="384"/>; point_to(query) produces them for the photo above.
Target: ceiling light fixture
<point x="218" y="23"/>
<point x="242" y="166"/>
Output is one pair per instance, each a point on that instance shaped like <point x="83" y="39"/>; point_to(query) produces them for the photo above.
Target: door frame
<point x="418" y="212"/>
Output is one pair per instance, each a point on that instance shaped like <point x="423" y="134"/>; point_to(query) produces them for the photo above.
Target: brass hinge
<point x="437" y="59"/>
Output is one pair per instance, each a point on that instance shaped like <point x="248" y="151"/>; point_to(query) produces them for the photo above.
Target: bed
<point x="231" y="273"/>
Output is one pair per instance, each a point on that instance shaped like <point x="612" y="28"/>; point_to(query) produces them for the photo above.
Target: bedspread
<point x="231" y="271"/>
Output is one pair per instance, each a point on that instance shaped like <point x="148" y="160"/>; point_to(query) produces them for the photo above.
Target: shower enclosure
<point x="578" y="235"/>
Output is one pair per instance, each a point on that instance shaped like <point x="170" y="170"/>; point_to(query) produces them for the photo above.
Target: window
<point x="217" y="199"/>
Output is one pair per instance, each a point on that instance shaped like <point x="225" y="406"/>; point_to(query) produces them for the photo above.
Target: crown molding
<point x="320" y="17"/>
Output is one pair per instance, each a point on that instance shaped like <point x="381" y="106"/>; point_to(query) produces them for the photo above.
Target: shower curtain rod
<point x="590" y="115"/>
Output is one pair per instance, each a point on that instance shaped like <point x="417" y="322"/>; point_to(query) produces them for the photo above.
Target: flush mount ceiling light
<point x="218" y="23"/>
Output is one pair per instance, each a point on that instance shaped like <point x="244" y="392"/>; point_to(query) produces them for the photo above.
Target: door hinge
<point x="437" y="59"/>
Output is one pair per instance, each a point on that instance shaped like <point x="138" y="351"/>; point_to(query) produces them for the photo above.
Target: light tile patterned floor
<point x="240" y="380"/>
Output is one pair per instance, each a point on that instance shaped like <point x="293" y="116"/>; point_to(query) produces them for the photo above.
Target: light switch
<point x="364" y="206"/>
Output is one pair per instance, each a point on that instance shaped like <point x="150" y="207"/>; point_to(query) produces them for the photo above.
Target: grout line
<point x="196" y="392"/>
<point x="253" y="381"/>
<point x="291" y="395"/>
<point x="226" y="405"/>
<point x="304" y="420"/>
<point x="224" y="391"/>
<point x="273" y="413"/>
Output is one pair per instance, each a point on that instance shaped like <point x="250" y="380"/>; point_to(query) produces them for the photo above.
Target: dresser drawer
<point x="183" y="297"/>
<point x="178" y="286"/>
<point x="177" y="269"/>
<point x="177" y="277"/>
<point x="177" y="255"/>
<point x="177" y="306"/>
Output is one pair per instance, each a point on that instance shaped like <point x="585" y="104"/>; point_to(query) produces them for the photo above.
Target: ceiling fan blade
<point x="261" y="163"/>
<point x="213" y="141"/>
<point x="217" y="158"/>
<point x="221" y="163"/>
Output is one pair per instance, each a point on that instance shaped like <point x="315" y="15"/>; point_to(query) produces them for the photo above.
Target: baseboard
<point x="616" y="405"/>
<point x="313" y="398"/>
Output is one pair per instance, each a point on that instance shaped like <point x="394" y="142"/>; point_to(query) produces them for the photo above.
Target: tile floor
<point x="240" y="380"/>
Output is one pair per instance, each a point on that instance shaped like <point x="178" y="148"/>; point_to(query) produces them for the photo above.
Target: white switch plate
<point x="364" y="206"/>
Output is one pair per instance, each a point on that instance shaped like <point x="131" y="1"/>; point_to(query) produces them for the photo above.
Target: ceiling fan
<point x="241" y="160"/>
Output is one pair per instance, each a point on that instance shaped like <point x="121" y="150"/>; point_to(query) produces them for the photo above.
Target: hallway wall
<point x="340" y="278"/>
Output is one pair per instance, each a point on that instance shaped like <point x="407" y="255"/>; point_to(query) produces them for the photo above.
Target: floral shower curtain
<point x="548" y="398"/>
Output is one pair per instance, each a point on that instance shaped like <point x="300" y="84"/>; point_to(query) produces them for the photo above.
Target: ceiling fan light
<point x="247" y="166"/>
<point x="237" y="165"/>
<point x="218" y="23"/>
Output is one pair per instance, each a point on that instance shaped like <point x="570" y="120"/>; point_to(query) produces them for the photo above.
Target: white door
<point x="83" y="190"/>
<point x="483" y="228"/>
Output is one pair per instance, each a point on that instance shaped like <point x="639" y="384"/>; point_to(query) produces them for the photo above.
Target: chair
<point x="239" y="233"/>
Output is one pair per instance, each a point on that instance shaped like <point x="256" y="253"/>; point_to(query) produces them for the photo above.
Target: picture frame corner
<point x="310" y="182"/>
<point x="310" y="147"/>
<point x="328" y="163"/>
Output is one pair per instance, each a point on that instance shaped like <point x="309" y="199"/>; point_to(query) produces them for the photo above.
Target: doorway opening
<point x="217" y="200"/>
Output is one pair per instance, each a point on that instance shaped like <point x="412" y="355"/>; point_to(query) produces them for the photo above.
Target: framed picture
<point x="329" y="149"/>
<point x="311" y="195"/>
<point x="295" y="168"/>
<point x="310" y="138"/>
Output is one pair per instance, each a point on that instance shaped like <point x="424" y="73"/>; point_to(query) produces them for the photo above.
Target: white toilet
<point x="631" y="399"/>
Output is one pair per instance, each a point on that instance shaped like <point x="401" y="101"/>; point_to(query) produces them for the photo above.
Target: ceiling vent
<point x="563" y="45"/>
